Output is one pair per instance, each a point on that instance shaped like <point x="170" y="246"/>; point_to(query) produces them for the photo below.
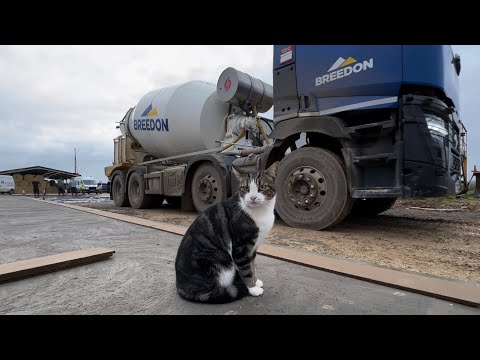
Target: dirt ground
<point x="439" y="236"/>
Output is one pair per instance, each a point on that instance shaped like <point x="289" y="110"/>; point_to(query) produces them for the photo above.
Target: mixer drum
<point x="179" y="119"/>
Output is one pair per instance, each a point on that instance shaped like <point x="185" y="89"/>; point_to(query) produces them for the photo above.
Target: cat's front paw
<point x="255" y="291"/>
<point x="259" y="283"/>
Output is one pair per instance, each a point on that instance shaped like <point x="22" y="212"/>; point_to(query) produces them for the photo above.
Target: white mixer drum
<point x="179" y="119"/>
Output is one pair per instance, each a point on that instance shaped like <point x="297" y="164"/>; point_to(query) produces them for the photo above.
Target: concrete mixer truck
<point x="354" y="128"/>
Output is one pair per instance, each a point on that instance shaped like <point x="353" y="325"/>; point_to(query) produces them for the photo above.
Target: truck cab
<point x="386" y="117"/>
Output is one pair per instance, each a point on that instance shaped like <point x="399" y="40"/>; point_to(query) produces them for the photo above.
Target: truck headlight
<point x="436" y="125"/>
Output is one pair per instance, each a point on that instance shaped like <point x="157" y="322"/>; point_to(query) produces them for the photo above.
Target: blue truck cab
<point x="386" y="117"/>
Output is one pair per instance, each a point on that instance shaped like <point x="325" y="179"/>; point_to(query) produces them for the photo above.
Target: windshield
<point x="89" y="182"/>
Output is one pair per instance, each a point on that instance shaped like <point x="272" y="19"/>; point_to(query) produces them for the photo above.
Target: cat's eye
<point x="263" y="187"/>
<point x="245" y="188"/>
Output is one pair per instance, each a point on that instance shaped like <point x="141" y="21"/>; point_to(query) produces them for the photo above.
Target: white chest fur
<point x="264" y="226"/>
<point x="264" y="219"/>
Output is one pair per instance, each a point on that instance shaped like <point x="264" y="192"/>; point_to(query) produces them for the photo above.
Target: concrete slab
<point x="140" y="278"/>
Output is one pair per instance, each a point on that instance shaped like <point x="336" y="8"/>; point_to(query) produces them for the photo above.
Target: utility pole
<point x="75" y="160"/>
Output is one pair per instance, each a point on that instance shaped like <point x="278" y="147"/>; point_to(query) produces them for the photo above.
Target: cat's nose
<point x="253" y="198"/>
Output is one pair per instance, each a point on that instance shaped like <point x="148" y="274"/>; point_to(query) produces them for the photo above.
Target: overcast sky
<point x="55" y="98"/>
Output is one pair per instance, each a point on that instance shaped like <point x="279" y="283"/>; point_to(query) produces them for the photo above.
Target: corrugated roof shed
<point x="41" y="170"/>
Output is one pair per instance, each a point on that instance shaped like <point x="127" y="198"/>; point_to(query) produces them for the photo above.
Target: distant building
<point x="24" y="176"/>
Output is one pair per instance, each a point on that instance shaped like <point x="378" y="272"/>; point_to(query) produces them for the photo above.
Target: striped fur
<point x="215" y="261"/>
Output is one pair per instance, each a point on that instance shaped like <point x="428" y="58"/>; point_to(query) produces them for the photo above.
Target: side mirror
<point x="456" y="63"/>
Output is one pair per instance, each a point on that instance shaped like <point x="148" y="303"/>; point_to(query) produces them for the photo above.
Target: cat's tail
<point x="219" y="295"/>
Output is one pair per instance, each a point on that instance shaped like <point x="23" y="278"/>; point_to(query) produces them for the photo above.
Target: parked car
<point x="7" y="184"/>
<point x="103" y="187"/>
<point x="88" y="182"/>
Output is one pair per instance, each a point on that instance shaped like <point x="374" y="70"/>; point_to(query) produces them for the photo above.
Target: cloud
<point x="55" y="98"/>
<point x="469" y="89"/>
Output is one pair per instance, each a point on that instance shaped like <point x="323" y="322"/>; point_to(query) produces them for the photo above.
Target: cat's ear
<point x="236" y="173"/>
<point x="273" y="169"/>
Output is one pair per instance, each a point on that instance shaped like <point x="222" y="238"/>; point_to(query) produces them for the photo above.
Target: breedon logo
<point x="149" y="121"/>
<point x="343" y="68"/>
<point x="150" y="112"/>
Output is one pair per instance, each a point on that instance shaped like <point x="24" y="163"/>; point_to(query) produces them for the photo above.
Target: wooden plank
<point x="430" y="209"/>
<point x="440" y="288"/>
<point x="174" y="229"/>
<point x="25" y="268"/>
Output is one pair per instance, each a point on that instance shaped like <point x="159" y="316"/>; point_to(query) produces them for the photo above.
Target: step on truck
<point x="354" y="128"/>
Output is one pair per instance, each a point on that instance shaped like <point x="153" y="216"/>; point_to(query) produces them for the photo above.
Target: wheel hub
<point x="306" y="188"/>
<point x="136" y="188"/>
<point x="205" y="188"/>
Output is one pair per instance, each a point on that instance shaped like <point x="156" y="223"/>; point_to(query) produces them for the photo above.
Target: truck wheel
<point x="136" y="192"/>
<point x="312" y="189"/>
<point x="207" y="187"/>
<point x="371" y="207"/>
<point x="11" y="192"/>
<point x="120" y="198"/>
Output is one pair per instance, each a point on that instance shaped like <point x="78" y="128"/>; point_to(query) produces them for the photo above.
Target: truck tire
<point x="136" y="192"/>
<point x="312" y="189"/>
<point x="10" y="192"/>
<point x="207" y="187"/>
<point x="120" y="198"/>
<point x="371" y="207"/>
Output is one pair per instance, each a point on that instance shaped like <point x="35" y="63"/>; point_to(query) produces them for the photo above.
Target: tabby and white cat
<point x="215" y="262"/>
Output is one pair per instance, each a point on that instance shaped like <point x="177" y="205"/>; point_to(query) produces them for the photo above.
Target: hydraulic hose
<point x="260" y="126"/>
<point x="240" y="135"/>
